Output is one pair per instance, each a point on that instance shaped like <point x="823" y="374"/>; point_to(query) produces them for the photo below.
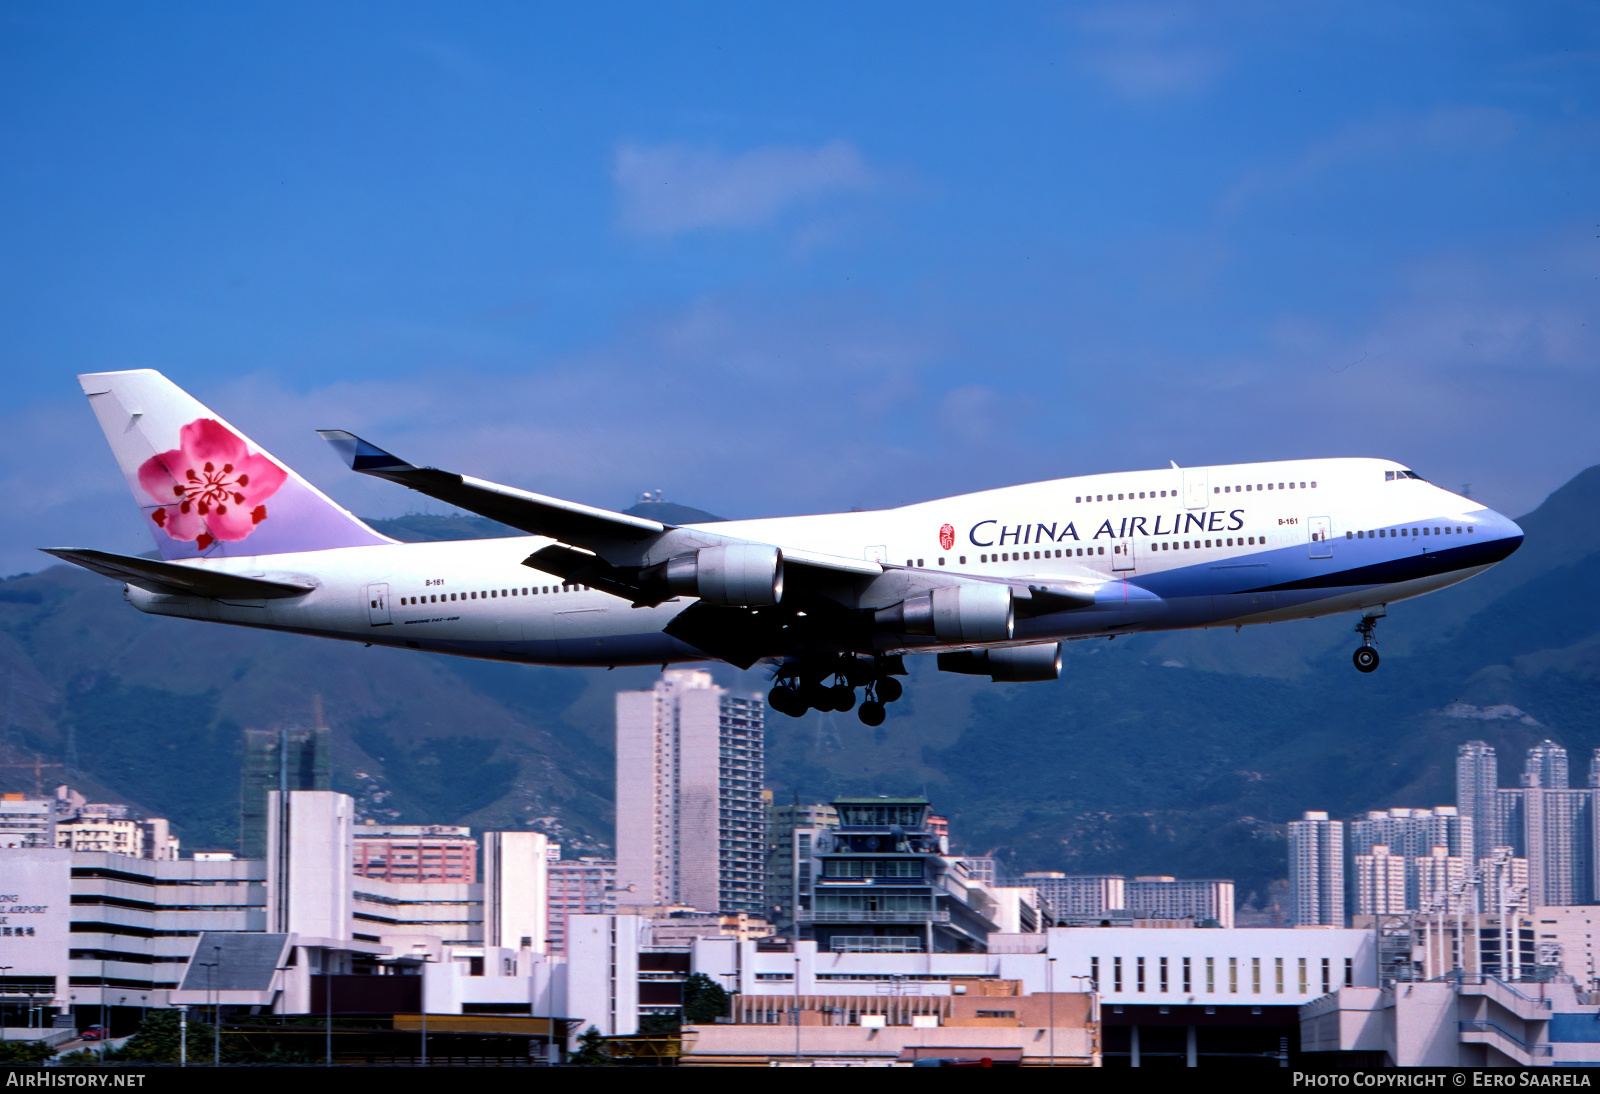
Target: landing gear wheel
<point x="786" y="700"/>
<point x="817" y="697"/>
<point x="844" y="697"/>
<point x="872" y="713"/>
<point x="888" y="689"/>
<point x="1366" y="658"/>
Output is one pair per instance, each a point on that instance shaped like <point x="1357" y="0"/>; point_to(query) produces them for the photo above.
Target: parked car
<point x="94" y="1033"/>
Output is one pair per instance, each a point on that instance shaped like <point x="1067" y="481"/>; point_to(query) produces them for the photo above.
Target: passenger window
<point x="963" y="560"/>
<point x="941" y="562"/>
<point x="919" y="564"/>
<point x="1216" y="489"/>
<point x="983" y="558"/>
<point x="1102" y="550"/>
<point x="1078" y="500"/>
<point x="1280" y="485"/>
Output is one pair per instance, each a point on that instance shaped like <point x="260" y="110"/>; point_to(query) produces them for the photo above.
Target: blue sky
<point x="807" y="258"/>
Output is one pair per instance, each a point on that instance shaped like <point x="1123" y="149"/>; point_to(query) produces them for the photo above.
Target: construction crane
<point x="38" y="766"/>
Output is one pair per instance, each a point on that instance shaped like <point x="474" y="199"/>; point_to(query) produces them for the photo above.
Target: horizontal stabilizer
<point x="176" y="579"/>
<point x="535" y="514"/>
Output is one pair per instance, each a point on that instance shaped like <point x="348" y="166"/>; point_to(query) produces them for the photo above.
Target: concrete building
<point x="1441" y="882"/>
<point x="1077" y="894"/>
<point x="1412" y="834"/>
<point x="691" y="824"/>
<point x="1545" y="821"/>
<point x="581" y="886"/>
<point x="26" y="822"/>
<point x="1477" y="783"/>
<point x="282" y="759"/>
<point x="792" y="832"/>
<point x="1144" y="997"/>
<point x="415" y="852"/>
<point x="1204" y="900"/>
<point x="1380" y="882"/>
<point x="885" y="882"/>
<point x="1316" y="871"/>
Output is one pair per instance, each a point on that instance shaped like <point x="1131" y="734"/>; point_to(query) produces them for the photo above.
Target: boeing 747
<point x="992" y="582"/>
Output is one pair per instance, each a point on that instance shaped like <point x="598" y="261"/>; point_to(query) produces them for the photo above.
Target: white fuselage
<point x="1166" y="549"/>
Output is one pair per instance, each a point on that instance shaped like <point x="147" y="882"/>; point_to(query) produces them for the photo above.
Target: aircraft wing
<point x="536" y="514"/>
<point x="585" y="527"/>
<point x="176" y="579"/>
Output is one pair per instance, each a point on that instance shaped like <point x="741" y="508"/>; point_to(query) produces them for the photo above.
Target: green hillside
<point x="1180" y="753"/>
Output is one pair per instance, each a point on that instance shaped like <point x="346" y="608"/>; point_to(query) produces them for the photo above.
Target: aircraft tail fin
<point x="205" y="489"/>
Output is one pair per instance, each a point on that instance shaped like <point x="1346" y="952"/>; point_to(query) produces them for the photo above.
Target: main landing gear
<point x="1366" y="657"/>
<point x="830" y="684"/>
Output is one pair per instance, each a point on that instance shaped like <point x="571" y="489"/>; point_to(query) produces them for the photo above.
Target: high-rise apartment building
<point x="691" y="824"/>
<point x="1546" y="766"/>
<point x="1316" y="871"/>
<point x="282" y="759"/>
<point x="1380" y="882"/>
<point x="1076" y="895"/>
<point x="792" y="833"/>
<point x="1200" y="899"/>
<point x="1546" y="823"/>
<point x="1411" y="835"/>
<point x="1440" y="883"/>
<point x="415" y="852"/>
<point x="1477" y="784"/>
<point x="581" y="886"/>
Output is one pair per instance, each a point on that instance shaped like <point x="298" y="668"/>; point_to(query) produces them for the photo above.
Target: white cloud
<point x="1444" y="131"/>
<point x="669" y="189"/>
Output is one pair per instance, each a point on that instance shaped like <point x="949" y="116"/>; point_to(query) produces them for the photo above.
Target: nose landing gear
<point x="1366" y="656"/>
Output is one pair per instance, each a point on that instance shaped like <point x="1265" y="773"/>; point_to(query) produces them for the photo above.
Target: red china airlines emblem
<point x="947" y="537"/>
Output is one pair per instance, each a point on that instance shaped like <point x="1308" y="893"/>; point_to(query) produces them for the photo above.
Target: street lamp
<point x="216" y="1012"/>
<point x="797" y="999"/>
<point x="426" y="959"/>
<point x="210" y="967"/>
<point x="183" y="1034"/>
<point x="1050" y="988"/>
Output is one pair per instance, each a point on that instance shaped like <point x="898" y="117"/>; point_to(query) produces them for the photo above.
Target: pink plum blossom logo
<point x="211" y="486"/>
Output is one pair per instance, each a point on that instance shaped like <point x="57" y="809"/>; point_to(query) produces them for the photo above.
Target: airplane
<point x="993" y="583"/>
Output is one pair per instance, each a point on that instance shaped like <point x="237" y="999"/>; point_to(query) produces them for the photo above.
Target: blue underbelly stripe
<point x="1409" y="568"/>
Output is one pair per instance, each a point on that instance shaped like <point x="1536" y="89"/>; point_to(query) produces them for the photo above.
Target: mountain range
<point x="1179" y="754"/>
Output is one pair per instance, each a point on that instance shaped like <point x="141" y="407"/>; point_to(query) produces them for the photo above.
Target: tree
<point x="25" y="1052"/>
<point x="704" y="1000"/>
<point x="592" y="1050"/>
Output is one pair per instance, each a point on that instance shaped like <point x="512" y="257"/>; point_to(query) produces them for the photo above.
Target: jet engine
<point x="957" y="613"/>
<point x="742" y="575"/>
<point x="1012" y="665"/>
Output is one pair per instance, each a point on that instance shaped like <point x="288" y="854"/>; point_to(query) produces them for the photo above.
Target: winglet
<point x="362" y="455"/>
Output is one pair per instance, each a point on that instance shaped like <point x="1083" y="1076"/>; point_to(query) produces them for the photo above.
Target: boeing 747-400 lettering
<point x="992" y="582"/>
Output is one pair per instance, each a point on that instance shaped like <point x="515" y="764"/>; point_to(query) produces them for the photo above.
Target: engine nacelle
<point x="1013" y="665"/>
<point x="957" y="613"/>
<point x="745" y="575"/>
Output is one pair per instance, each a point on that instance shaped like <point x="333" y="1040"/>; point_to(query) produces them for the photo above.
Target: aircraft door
<point x="1122" y="555"/>
<point x="1321" y="537"/>
<point x="378" y="605"/>
<point x="1196" y="495"/>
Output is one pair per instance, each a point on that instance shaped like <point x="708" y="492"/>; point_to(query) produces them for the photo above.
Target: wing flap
<point x="176" y="579"/>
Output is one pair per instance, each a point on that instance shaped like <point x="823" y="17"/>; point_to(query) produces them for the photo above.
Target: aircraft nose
<point x="1504" y="533"/>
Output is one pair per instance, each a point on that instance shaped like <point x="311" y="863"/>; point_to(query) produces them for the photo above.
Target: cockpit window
<point x="1392" y="475"/>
